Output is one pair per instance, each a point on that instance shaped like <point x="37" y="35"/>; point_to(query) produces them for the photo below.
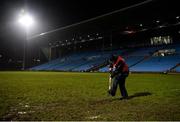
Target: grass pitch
<point x="83" y="96"/>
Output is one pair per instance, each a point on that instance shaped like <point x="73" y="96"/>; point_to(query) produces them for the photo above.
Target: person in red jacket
<point x="119" y="71"/>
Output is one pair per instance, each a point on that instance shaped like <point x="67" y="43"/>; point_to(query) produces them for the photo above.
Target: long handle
<point x="110" y="82"/>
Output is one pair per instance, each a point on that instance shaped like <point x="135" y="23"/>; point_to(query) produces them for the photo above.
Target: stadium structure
<point x="149" y="41"/>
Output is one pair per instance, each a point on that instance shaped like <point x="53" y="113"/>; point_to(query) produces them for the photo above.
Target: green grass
<point x="83" y="96"/>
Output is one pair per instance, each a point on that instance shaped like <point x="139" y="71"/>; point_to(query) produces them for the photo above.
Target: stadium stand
<point x="156" y="64"/>
<point x="139" y="60"/>
<point x="177" y="69"/>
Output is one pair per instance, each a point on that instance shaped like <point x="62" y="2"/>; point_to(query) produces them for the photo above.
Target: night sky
<point x="51" y="14"/>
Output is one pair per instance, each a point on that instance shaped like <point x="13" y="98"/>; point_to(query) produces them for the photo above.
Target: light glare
<point x="26" y="20"/>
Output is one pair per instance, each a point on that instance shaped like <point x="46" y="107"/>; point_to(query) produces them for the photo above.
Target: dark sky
<point x="50" y="14"/>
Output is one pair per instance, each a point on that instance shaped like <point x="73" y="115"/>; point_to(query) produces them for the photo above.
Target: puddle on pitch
<point x="22" y="112"/>
<point x="25" y="107"/>
<point x="94" y="117"/>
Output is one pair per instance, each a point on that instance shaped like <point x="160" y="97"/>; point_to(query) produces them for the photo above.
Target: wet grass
<point x="83" y="96"/>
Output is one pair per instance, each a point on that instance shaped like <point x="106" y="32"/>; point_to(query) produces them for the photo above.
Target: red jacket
<point x="120" y="65"/>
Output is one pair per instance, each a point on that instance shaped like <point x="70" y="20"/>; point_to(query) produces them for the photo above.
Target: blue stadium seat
<point x="84" y="60"/>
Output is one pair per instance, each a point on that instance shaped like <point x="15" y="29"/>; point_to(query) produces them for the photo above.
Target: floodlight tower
<point x="26" y="21"/>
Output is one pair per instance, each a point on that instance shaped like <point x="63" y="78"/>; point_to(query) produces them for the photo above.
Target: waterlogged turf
<point x="83" y="96"/>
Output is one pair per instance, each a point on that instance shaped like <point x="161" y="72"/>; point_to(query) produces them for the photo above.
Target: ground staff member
<point x="119" y="72"/>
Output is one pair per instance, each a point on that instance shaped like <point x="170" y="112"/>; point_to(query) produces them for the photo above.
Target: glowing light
<point x="157" y="21"/>
<point x="42" y="34"/>
<point x="25" y="19"/>
<point x="129" y="32"/>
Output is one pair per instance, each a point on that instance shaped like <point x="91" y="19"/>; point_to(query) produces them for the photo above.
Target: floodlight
<point x="26" y="20"/>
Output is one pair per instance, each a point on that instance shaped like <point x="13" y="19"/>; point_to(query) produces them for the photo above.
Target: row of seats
<point x="139" y="59"/>
<point x="157" y="64"/>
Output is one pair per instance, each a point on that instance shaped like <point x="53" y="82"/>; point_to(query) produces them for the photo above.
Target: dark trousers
<point x="119" y="80"/>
